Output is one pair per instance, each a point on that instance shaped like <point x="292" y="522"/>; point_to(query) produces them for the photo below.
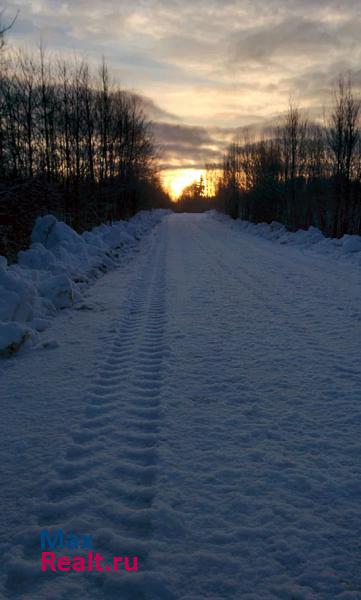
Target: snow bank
<point x="12" y="337"/>
<point x="349" y="246"/>
<point x="52" y="274"/>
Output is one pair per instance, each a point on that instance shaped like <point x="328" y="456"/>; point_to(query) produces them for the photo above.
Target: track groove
<point x="109" y="470"/>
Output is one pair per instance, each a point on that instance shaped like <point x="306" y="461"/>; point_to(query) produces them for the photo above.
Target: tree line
<point x="198" y="196"/>
<point x="300" y="173"/>
<point x="71" y="143"/>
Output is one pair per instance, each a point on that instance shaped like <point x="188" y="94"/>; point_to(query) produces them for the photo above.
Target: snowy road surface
<point x="204" y="416"/>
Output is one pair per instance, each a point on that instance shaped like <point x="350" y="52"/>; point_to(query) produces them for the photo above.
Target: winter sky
<point x="206" y="67"/>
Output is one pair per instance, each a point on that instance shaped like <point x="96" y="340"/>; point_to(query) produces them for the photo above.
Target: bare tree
<point x="87" y="148"/>
<point x="343" y="139"/>
<point x="5" y="28"/>
<point x="292" y="134"/>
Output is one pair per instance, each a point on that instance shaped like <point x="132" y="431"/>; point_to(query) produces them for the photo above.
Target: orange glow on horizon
<point x="175" y="180"/>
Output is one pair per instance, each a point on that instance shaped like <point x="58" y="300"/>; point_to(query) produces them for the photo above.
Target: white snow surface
<point x="203" y="413"/>
<point x="52" y="274"/>
<point x="347" y="247"/>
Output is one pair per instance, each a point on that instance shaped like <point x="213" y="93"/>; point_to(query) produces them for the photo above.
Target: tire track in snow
<point x="109" y="470"/>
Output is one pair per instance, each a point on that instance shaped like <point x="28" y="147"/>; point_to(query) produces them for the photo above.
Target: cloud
<point x="182" y="134"/>
<point x="206" y="67"/>
<point x="289" y="37"/>
<point x="183" y="145"/>
<point x="155" y="112"/>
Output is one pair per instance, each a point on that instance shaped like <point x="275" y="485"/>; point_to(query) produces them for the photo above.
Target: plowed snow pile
<point x="53" y="273"/>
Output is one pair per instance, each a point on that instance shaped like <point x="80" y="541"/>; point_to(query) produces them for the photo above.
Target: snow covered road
<point x="204" y="416"/>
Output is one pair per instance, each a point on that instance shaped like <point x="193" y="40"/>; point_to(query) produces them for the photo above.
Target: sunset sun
<point x="176" y="180"/>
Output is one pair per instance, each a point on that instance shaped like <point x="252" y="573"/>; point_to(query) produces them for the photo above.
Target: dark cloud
<point x="155" y="112"/>
<point x="186" y="145"/>
<point x="182" y="134"/>
<point x="290" y="37"/>
<point x="315" y="87"/>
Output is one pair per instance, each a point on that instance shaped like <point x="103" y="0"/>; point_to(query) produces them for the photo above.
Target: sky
<point x="207" y="68"/>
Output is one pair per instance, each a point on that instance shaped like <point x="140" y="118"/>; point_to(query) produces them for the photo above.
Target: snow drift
<point x="349" y="246"/>
<point x="52" y="274"/>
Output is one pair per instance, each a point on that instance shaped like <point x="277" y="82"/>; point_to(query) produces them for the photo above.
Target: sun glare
<point x="175" y="180"/>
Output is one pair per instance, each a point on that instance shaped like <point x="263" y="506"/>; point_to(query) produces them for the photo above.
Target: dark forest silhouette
<point x="300" y="173"/>
<point x="71" y="144"/>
